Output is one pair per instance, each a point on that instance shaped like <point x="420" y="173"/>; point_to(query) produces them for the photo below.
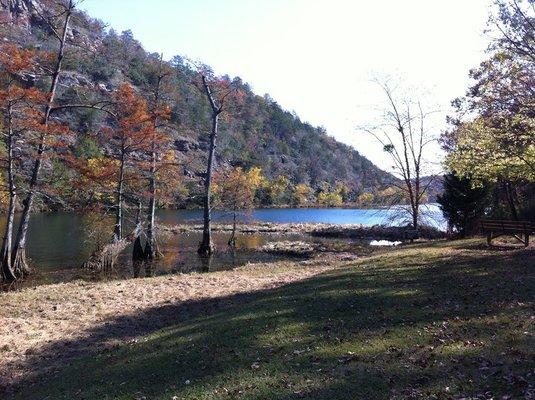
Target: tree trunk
<point x="118" y="230"/>
<point x="206" y="247"/>
<point x="206" y="263"/>
<point x="415" y="217"/>
<point x="151" y="247"/>
<point x="138" y="255"/>
<point x="7" y="272"/>
<point x="232" y="239"/>
<point x="19" y="262"/>
<point x="151" y="250"/>
<point x="511" y="201"/>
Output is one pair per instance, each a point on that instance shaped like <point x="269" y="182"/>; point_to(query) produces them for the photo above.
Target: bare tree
<point x="159" y="144"/>
<point x="404" y="135"/>
<point x="218" y="92"/>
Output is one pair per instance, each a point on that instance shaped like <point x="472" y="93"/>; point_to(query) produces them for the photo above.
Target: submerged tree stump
<point x="104" y="259"/>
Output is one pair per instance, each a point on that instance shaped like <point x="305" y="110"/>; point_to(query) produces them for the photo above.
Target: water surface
<point x="58" y="243"/>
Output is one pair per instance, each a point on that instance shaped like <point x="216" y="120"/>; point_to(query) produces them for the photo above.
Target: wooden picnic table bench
<point x="518" y="229"/>
<point x="411" y="234"/>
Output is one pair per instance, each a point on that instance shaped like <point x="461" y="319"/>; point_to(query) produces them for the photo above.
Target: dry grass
<point x="316" y="229"/>
<point x="32" y="318"/>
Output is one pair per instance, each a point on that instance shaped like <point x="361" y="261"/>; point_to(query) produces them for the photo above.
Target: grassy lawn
<point x="442" y="320"/>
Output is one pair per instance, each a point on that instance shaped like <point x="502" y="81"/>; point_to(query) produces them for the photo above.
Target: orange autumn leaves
<point x="22" y="106"/>
<point x="20" y="103"/>
<point x="132" y="132"/>
<point x="27" y="103"/>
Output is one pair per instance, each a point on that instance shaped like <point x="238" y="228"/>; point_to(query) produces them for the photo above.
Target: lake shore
<point x="282" y="328"/>
<point x="348" y="231"/>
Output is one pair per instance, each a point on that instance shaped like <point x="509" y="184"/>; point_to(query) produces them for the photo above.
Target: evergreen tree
<point x="463" y="204"/>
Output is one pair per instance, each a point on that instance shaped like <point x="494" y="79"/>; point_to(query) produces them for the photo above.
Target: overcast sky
<point x="317" y="57"/>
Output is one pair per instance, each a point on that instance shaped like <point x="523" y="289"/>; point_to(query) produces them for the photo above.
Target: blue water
<point x="64" y="240"/>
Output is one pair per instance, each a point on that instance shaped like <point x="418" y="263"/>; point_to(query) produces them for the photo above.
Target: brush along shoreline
<point x="348" y="231"/>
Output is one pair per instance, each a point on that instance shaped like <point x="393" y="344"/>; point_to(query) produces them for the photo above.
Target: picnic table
<point x="520" y="230"/>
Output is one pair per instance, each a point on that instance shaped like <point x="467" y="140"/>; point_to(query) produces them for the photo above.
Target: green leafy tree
<point x="493" y="135"/>
<point x="495" y="150"/>
<point x="463" y="203"/>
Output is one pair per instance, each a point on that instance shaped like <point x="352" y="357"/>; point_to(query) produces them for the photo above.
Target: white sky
<point x="317" y="57"/>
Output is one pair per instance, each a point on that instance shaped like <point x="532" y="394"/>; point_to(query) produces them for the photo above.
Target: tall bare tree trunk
<point x="138" y="255"/>
<point x="206" y="247"/>
<point x="151" y="247"/>
<point x="118" y="229"/>
<point x="7" y="273"/>
<point x="151" y="250"/>
<point x="232" y="239"/>
<point x="20" y="264"/>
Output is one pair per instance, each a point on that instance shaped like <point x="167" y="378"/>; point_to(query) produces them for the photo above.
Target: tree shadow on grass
<point x="452" y="327"/>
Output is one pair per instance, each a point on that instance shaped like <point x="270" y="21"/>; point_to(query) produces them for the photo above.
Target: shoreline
<point x="326" y="230"/>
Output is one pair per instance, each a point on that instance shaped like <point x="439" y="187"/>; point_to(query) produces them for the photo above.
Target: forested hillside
<point x="257" y="133"/>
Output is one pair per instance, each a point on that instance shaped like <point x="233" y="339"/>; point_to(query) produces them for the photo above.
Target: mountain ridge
<point x="263" y="135"/>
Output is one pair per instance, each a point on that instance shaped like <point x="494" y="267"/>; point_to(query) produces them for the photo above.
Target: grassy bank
<point x="347" y="231"/>
<point x="440" y="320"/>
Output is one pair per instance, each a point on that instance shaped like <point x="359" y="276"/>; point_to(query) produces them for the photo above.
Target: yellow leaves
<point x="331" y="199"/>
<point x="485" y="152"/>
<point x="98" y="175"/>
<point x="101" y="164"/>
<point x="366" y="199"/>
<point x="278" y="186"/>
<point x="169" y="156"/>
<point x="334" y="197"/>
<point x="255" y="177"/>
<point x="235" y="188"/>
<point x="302" y="194"/>
<point x="101" y="169"/>
<point x="393" y="194"/>
<point x="167" y="174"/>
<point x="4" y="195"/>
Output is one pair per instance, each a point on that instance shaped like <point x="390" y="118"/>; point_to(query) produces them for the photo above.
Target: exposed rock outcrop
<point x="22" y="12"/>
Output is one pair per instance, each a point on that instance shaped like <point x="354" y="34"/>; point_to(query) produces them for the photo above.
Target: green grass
<point x="428" y="321"/>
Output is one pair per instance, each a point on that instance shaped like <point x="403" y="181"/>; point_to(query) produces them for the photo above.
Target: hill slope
<point x="262" y="134"/>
